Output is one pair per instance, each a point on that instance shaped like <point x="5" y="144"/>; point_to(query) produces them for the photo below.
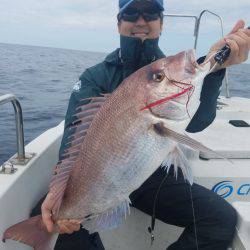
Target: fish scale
<point x="119" y="143"/>
<point x="133" y="131"/>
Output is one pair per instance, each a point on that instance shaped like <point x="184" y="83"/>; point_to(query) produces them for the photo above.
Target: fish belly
<point x="120" y="172"/>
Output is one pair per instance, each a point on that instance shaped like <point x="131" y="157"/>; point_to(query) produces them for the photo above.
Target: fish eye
<point x="158" y="77"/>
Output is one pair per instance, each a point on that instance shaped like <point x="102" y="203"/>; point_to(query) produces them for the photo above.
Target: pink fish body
<point x="120" y="140"/>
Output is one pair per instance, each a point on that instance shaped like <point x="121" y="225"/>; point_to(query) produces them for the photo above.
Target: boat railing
<point x="21" y="158"/>
<point x="197" y="22"/>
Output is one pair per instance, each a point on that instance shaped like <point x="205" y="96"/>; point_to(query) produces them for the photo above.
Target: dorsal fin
<point x="84" y="115"/>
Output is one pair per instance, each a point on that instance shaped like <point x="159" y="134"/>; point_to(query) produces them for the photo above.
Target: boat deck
<point x="22" y="190"/>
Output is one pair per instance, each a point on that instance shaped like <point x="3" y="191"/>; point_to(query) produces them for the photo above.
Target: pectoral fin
<point x="160" y="129"/>
<point x="177" y="159"/>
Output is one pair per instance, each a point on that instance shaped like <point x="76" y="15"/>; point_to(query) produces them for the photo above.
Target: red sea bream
<point x="118" y="142"/>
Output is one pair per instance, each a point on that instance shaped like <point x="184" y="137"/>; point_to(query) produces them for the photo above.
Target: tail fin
<point x="31" y="232"/>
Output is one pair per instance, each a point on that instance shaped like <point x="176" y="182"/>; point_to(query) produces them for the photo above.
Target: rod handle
<point x="223" y="54"/>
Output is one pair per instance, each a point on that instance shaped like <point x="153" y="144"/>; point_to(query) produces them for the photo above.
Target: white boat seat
<point x="225" y="139"/>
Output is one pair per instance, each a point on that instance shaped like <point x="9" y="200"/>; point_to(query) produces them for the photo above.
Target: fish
<point x="117" y="142"/>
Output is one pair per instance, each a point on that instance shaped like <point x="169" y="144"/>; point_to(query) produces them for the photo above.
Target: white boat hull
<point x="20" y="192"/>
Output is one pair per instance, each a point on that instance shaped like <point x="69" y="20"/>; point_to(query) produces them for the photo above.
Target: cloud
<point x="73" y="13"/>
<point x="102" y="13"/>
<point x="207" y="4"/>
<point x="229" y="12"/>
<point x="81" y="24"/>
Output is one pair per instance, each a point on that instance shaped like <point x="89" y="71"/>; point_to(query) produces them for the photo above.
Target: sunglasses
<point x="133" y="14"/>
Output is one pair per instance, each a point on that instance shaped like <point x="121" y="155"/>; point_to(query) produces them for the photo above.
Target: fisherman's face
<point x="141" y="28"/>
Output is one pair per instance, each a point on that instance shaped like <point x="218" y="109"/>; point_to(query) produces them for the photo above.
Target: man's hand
<point x="62" y="226"/>
<point x="238" y="40"/>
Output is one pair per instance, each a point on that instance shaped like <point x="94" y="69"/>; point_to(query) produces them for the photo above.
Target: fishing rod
<point x="223" y="54"/>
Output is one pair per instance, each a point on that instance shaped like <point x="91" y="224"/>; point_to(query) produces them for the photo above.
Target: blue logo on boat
<point x="244" y="190"/>
<point x="224" y="189"/>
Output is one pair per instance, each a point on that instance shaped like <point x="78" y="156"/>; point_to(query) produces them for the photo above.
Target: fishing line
<point x="161" y="101"/>
<point x="195" y="228"/>
<point x="168" y="98"/>
<point x="153" y="217"/>
<point x="152" y="227"/>
<point x="209" y="59"/>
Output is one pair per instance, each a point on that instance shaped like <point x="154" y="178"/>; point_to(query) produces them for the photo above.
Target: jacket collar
<point x="135" y="53"/>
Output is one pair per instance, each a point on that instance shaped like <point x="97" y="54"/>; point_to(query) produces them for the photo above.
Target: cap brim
<point x="131" y="1"/>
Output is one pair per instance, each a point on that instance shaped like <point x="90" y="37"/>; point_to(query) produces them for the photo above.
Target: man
<point x="140" y="24"/>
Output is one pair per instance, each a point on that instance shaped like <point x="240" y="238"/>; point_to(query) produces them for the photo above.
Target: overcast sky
<point x="91" y="25"/>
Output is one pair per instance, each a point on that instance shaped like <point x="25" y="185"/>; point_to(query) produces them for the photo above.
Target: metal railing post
<point x="19" y="125"/>
<point x="185" y="15"/>
<point x="222" y="35"/>
<point x="196" y="34"/>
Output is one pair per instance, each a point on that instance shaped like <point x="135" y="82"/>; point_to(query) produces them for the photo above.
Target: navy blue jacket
<point x="106" y="76"/>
